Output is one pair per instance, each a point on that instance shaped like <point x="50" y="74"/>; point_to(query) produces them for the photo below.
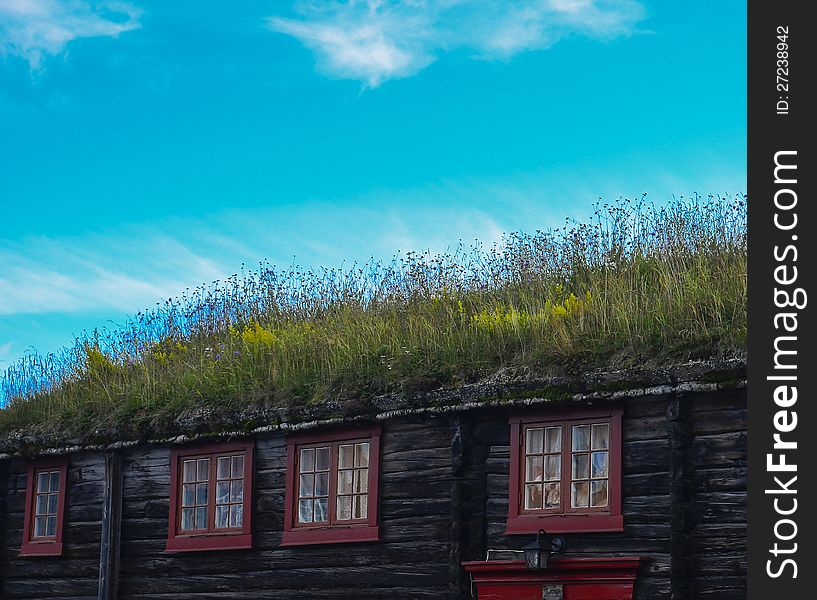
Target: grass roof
<point x="637" y="284"/>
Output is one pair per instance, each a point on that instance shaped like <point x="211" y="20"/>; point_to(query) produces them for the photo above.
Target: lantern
<point x="537" y="554"/>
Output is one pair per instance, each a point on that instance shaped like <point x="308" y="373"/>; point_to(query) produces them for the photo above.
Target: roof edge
<point x="509" y="387"/>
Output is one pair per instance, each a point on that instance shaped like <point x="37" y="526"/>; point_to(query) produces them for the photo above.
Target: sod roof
<point x="637" y="289"/>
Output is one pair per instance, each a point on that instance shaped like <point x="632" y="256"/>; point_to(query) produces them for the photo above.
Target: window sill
<point x="41" y="549"/>
<point x="565" y="524"/>
<point x="330" y="535"/>
<point x="204" y="543"/>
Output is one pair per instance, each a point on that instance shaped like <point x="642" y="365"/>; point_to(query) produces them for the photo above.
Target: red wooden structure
<point x="565" y="578"/>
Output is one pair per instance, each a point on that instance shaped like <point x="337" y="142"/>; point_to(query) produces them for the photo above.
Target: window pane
<point x="322" y="459"/>
<point x="553" y="467"/>
<point x="51" y="526"/>
<point x="322" y="484"/>
<point x="52" y="503"/>
<point x="307" y="487"/>
<point x="55" y="481"/>
<point x="187" y="519"/>
<point x="321" y="510"/>
<point x="361" y="481"/>
<point x="42" y="504"/>
<point x="344" y="482"/>
<point x="201" y="494"/>
<point x="344" y="508"/>
<point x="553" y="439"/>
<point x="222" y="516"/>
<point x="345" y="456"/>
<point x="598" y="493"/>
<point x="580" y="494"/>
<point x="203" y="473"/>
<point x="236" y="515"/>
<point x="305" y="511"/>
<point x="238" y="467"/>
<point x="601" y="436"/>
<point x="222" y="492"/>
<point x="533" y="441"/>
<point x="533" y="468"/>
<point x="307" y="460"/>
<point x="188" y="495"/>
<point x="359" y="508"/>
<point x="189" y="471"/>
<point x="42" y="482"/>
<point x="533" y="496"/>
<point x="553" y="496"/>
<point x="581" y="466"/>
<point x="581" y="438"/>
<point x="39" y="526"/>
<point x="223" y="469"/>
<point x="237" y="490"/>
<point x="201" y="518"/>
<point x="599" y="464"/>
<point x="362" y="454"/>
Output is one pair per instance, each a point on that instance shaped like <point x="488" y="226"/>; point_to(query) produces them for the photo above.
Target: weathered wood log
<point x="111" y="528"/>
<point x="680" y="473"/>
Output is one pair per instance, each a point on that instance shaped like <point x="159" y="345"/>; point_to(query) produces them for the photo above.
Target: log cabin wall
<point x="443" y="499"/>
<point x="645" y="496"/>
<point x="411" y="560"/>
<point x="74" y="575"/>
<point x="683" y="495"/>
<point x="718" y="453"/>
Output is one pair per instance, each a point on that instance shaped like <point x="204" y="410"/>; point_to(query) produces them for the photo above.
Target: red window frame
<point x="209" y="538"/>
<point x="44" y="545"/>
<point x="359" y="530"/>
<point x="565" y="519"/>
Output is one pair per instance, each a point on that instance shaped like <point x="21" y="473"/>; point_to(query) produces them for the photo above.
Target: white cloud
<point x="123" y="272"/>
<point x="132" y="268"/>
<point x="34" y="29"/>
<point x="376" y="40"/>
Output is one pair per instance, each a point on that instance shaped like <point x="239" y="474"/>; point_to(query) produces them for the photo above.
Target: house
<point x="429" y="495"/>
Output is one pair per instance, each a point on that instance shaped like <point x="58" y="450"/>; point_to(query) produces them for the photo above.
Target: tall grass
<point x="636" y="283"/>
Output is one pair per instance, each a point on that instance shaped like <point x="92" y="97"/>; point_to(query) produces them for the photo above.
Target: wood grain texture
<point x="443" y="500"/>
<point x="75" y="574"/>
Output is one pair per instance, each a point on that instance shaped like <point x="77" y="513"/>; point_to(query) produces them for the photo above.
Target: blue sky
<point x="149" y="146"/>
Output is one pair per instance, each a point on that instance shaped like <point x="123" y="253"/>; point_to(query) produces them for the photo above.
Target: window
<point x="566" y="472"/>
<point x="45" y="508"/>
<point x="210" y="497"/>
<point x="332" y="487"/>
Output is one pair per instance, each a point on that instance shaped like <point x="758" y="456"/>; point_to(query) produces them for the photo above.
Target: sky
<point x="148" y="146"/>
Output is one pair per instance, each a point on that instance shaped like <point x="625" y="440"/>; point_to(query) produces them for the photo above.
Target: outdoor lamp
<point x="538" y="553"/>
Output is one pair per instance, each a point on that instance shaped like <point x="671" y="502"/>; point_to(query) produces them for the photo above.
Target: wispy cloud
<point x="134" y="267"/>
<point x="34" y="29"/>
<point x="377" y="40"/>
<point x="100" y="272"/>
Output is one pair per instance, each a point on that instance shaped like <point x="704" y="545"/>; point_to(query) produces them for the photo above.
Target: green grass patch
<point x="636" y="284"/>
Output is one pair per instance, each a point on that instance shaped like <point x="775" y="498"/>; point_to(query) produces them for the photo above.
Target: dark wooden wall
<point x="443" y="495"/>
<point x="645" y="497"/>
<point x="684" y="495"/>
<point x="74" y="575"/>
<point x="718" y="453"/>
<point x="411" y="561"/>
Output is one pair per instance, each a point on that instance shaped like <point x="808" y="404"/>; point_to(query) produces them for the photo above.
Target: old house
<point x="433" y="494"/>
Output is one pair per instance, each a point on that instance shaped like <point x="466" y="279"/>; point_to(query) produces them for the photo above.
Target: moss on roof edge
<point x="508" y="387"/>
